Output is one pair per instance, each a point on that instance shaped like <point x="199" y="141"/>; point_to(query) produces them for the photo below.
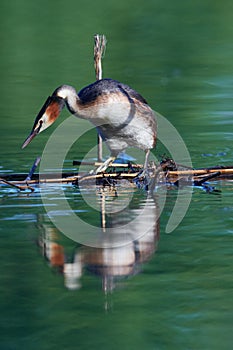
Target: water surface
<point x="168" y="290"/>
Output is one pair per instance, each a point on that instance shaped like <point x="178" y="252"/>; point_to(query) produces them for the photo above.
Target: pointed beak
<point x="30" y="137"/>
<point x="46" y="117"/>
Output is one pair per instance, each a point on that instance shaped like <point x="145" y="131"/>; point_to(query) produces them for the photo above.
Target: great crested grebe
<point x="121" y="115"/>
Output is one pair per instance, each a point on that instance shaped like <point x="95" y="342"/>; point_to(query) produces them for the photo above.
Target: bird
<point x="120" y="114"/>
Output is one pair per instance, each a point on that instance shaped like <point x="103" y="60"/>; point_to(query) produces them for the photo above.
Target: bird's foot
<point x="143" y="179"/>
<point x="147" y="177"/>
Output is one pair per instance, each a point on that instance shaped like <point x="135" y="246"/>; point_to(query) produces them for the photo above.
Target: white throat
<point x="69" y="94"/>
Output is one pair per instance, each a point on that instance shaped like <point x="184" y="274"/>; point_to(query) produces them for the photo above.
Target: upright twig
<point x="33" y="168"/>
<point x="99" y="49"/>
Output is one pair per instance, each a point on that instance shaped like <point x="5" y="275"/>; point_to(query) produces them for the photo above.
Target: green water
<point x="176" y="292"/>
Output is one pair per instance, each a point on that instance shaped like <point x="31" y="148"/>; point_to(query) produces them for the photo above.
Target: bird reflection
<point x="114" y="264"/>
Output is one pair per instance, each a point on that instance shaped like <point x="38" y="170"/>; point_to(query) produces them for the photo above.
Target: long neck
<point x="72" y="102"/>
<point x="71" y="98"/>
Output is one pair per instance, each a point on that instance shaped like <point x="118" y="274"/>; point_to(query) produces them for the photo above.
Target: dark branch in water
<point x="33" y="168"/>
<point x="206" y="178"/>
<point x="19" y="187"/>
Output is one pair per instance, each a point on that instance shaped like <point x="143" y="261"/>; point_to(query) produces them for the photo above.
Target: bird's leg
<point x="105" y="165"/>
<point x="145" y="168"/>
<point x="143" y="176"/>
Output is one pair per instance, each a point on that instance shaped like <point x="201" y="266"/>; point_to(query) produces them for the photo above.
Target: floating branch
<point x="203" y="179"/>
<point x="27" y="179"/>
<point x="197" y="176"/>
<point x="113" y="165"/>
<point x="105" y="176"/>
<point x="203" y="171"/>
<point x="16" y="185"/>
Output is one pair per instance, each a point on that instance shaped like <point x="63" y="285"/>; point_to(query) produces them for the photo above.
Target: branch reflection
<point x="113" y="265"/>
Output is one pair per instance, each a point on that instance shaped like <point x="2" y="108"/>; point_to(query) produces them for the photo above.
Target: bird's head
<point x="47" y="115"/>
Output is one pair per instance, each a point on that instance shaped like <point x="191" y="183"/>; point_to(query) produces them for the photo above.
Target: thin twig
<point x="110" y="176"/>
<point x="199" y="182"/>
<point x="70" y="179"/>
<point x="33" y="168"/>
<point x="113" y="165"/>
<point x="199" y="171"/>
<point x="99" y="50"/>
<point x="19" y="187"/>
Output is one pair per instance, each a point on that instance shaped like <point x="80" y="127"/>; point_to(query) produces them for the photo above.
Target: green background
<point x="178" y="55"/>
